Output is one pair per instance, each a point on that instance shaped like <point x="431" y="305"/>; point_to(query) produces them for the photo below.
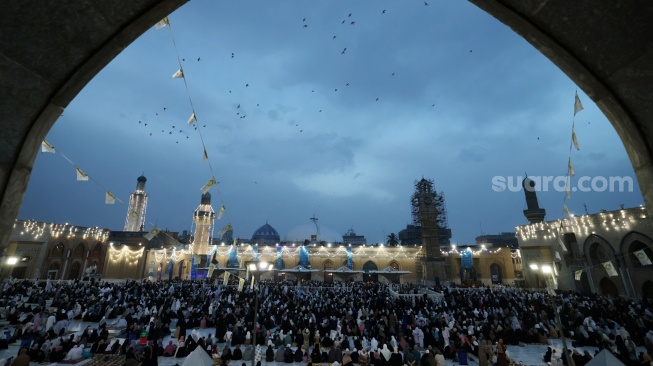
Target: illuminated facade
<point x="135" y="219"/>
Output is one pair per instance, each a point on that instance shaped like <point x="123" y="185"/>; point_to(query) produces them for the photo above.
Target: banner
<point x="279" y="264"/>
<point x="303" y="257"/>
<point x="466" y="259"/>
<point x="241" y="284"/>
<point x="578" y="274"/>
<point x="255" y="251"/>
<point x="643" y="258"/>
<point x="170" y="265"/>
<point x="193" y="267"/>
<point x="150" y="273"/>
<point x="350" y="259"/>
<point x="225" y="282"/>
<point x="233" y="257"/>
<point x="612" y="272"/>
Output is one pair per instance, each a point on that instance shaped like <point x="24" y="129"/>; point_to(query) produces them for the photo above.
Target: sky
<point x="332" y="109"/>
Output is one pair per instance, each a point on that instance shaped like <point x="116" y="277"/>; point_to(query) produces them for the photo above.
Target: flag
<point x="571" y="168"/>
<point x="575" y="140"/>
<point x="610" y="269"/>
<point x="192" y="119"/>
<point x="80" y="174"/>
<point x="149" y="236"/>
<point x="578" y="274"/>
<point x="221" y="212"/>
<point x="178" y="74"/>
<point x="561" y="243"/>
<point x="252" y="284"/>
<point x="225" y="282"/>
<point x="566" y="210"/>
<point x="110" y="199"/>
<point x="558" y="256"/>
<point x="206" y="156"/>
<point x="241" y="284"/>
<point x="225" y="229"/>
<point x="162" y="23"/>
<point x="578" y="106"/>
<point x="208" y="185"/>
<point x="643" y="258"/>
<point x="567" y="195"/>
<point x="46" y="147"/>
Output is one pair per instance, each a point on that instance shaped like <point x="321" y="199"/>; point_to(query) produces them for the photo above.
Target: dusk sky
<point x="326" y="108"/>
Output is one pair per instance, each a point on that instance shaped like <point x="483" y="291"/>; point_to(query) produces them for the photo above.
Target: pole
<point x="256" y="277"/>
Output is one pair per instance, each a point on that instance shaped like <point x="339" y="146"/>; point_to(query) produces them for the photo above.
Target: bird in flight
<point x="343" y="51"/>
<point x="350" y="15"/>
<point x="426" y="4"/>
<point x="238" y="106"/>
<point x="198" y="59"/>
<point x="304" y="20"/>
<point x="352" y="23"/>
<point x="164" y="108"/>
<point x="377" y="99"/>
<point x="232" y="55"/>
<point x="383" y="12"/>
<point x="305" y="25"/>
<point x="334" y="37"/>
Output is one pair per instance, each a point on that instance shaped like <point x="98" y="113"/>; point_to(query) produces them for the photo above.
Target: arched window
<point x="635" y="249"/>
<point x="74" y="271"/>
<point x="394" y="265"/>
<point x="79" y="251"/>
<point x="58" y="250"/>
<point x="495" y="273"/>
<point x="97" y="250"/>
<point x="367" y="267"/>
<point x="328" y="266"/>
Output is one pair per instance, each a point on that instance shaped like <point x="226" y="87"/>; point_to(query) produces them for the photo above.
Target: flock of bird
<point x="180" y="132"/>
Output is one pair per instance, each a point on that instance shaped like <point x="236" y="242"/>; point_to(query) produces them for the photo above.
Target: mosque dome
<point x="266" y="234"/>
<point x="142" y="179"/>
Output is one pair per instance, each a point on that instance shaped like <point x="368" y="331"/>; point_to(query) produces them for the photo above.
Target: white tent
<point x="198" y="357"/>
<point x="605" y="358"/>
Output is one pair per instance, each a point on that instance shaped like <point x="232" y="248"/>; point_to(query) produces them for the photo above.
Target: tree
<point x="393" y="240"/>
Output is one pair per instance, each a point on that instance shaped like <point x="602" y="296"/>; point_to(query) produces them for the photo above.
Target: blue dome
<point x="141" y="179"/>
<point x="266" y="233"/>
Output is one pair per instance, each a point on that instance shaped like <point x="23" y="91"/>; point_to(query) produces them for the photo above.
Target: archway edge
<point x="48" y="94"/>
<point x="562" y="32"/>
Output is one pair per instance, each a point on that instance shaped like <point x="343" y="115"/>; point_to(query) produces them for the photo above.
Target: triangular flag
<point x="225" y="281"/>
<point x="178" y="74"/>
<point x="578" y="274"/>
<point x="221" y="212"/>
<point x="149" y="236"/>
<point x="610" y="269"/>
<point x="566" y="210"/>
<point x="206" y="156"/>
<point x="643" y="258"/>
<point x="46" y="147"/>
<point x="241" y="284"/>
<point x="80" y="174"/>
<point x="208" y="185"/>
<point x="225" y="229"/>
<point x="578" y="106"/>
<point x="162" y="23"/>
<point x="110" y="199"/>
<point x="191" y="119"/>
<point x="571" y="168"/>
<point x="575" y="140"/>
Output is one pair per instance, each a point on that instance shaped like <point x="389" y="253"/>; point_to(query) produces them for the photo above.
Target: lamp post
<point x="548" y="270"/>
<point x="256" y="269"/>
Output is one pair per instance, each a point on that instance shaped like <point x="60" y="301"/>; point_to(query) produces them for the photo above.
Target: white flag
<point x="574" y="139"/>
<point x="561" y="243"/>
<point x="162" y="23"/>
<point x="566" y="210"/>
<point x="208" y="185"/>
<point x="241" y="284"/>
<point x="149" y="236"/>
<point x="224" y="230"/>
<point x="46" y="147"/>
<point x="558" y="256"/>
<point x="80" y="174"/>
<point x="110" y="199"/>
<point x="178" y="74"/>
<point x="578" y="106"/>
<point x="192" y="119"/>
<point x="221" y="212"/>
<point x="571" y="168"/>
<point x="578" y="274"/>
<point x="643" y="258"/>
<point x="225" y="281"/>
<point x="612" y="272"/>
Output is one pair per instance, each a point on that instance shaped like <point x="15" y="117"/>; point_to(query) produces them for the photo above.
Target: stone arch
<point x="632" y="243"/>
<point x="75" y="271"/>
<point x="496" y="273"/>
<point x="370" y="266"/>
<point x="96" y="252"/>
<point x="598" y="250"/>
<point x="604" y="57"/>
<point x="608" y="287"/>
<point x="394" y="265"/>
<point x="326" y="266"/>
<point x="79" y="251"/>
<point x="58" y="250"/>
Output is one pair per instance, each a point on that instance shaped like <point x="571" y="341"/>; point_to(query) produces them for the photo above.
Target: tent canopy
<point x="605" y="358"/>
<point x="298" y="269"/>
<point x="198" y="357"/>
<point x="389" y="270"/>
<point x="343" y="269"/>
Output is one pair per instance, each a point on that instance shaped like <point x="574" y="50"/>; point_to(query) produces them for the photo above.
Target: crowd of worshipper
<point x="314" y="322"/>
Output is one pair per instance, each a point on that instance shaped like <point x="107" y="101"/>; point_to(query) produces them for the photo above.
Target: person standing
<point x="502" y="358"/>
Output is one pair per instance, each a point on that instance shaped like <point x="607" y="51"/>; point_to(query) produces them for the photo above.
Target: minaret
<point x="203" y="218"/>
<point x="534" y="213"/>
<point x="135" y="220"/>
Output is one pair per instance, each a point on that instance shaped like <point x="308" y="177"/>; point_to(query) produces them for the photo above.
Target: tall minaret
<point x="135" y="220"/>
<point x="533" y="213"/>
<point x="203" y="218"/>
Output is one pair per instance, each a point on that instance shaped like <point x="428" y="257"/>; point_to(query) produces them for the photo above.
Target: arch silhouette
<point x="608" y="287"/>
<point x="46" y="63"/>
<point x="647" y="290"/>
<point x="370" y="266"/>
